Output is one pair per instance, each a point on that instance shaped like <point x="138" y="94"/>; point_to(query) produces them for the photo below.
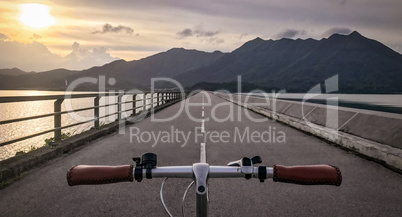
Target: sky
<point x="77" y="34"/>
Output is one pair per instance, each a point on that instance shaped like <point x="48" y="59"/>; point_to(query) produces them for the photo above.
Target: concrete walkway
<point x="368" y="189"/>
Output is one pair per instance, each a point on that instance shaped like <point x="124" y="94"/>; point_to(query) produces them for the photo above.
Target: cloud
<point x="336" y="30"/>
<point x="213" y="40"/>
<point x="197" y="31"/>
<point x="36" y="36"/>
<point x="108" y="28"/>
<point x="219" y="41"/>
<point x="86" y="58"/>
<point x="36" y="56"/>
<point x="242" y="36"/>
<point x="290" y="33"/>
<point x="185" y="33"/>
<point x="202" y="34"/>
<point x="3" y="37"/>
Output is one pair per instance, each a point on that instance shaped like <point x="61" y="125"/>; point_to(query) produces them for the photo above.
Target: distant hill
<point x="42" y="81"/>
<point x="363" y="65"/>
<point x="232" y="87"/>
<point x="12" y="72"/>
<point x="138" y="73"/>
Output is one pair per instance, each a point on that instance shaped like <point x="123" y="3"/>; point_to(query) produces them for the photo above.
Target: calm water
<point x="382" y="102"/>
<point x="25" y="109"/>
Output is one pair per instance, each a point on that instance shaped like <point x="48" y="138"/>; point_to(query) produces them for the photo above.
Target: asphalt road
<point x="368" y="189"/>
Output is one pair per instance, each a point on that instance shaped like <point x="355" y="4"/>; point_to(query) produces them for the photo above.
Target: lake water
<point x="9" y="111"/>
<point x="391" y="103"/>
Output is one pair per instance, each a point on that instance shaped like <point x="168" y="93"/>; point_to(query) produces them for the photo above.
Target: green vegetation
<point x="63" y="137"/>
<point x="47" y="143"/>
<point x="102" y="125"/>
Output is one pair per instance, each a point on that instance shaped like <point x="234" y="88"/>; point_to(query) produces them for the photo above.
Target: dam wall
<point x="375" y="135"/>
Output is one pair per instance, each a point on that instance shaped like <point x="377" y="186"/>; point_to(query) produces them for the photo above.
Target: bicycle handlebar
<point x="305" y="175"/>
<point x="95" y="175"/>
<point x="308" y="175"/>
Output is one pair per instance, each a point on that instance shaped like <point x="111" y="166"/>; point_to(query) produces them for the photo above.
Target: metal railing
<point x="158" y="98"/>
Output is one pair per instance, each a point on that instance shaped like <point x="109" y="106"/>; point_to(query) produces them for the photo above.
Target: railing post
<point x="134" y="104"/>
<point x="57" y="120"/>
<point x="144" y="101"/>
<point x="152" y="100"/>
<point x="119" y="106"/>
<point x="96" y="112"/>
<point x="157" y="99"/>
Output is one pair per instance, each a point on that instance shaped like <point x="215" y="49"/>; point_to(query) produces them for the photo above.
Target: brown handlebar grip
<point x="308" y="175"/>
<point x="95" y="175"/>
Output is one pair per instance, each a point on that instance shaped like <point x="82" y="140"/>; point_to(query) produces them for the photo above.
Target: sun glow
<point x="36" y="16"/>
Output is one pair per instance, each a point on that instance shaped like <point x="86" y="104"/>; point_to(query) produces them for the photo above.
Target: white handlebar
<point x="214" y="172"/>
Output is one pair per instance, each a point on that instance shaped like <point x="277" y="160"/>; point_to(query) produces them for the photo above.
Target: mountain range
<point x="363" y="66"/>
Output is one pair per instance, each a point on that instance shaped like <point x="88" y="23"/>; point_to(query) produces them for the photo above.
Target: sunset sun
<point x="36" y="16"/>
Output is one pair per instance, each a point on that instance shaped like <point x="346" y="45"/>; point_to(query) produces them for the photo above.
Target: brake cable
<point x="161" y="195"/>
<point x="183" y="200"/>
<point x="184" y="197"/>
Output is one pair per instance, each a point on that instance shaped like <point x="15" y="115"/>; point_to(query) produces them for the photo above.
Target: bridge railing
<point x="155" y="98"/>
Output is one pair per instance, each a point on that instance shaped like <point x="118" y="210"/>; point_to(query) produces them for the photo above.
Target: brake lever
<point x="255" y="160"/>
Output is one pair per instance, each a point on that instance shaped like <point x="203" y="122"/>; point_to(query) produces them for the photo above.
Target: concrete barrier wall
<point x="377" y="135"/>
<point x="385" y="128"/>
<point x="381" y="129"/>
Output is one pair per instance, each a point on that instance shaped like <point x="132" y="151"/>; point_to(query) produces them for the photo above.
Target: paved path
<point x="368" y="189"/>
